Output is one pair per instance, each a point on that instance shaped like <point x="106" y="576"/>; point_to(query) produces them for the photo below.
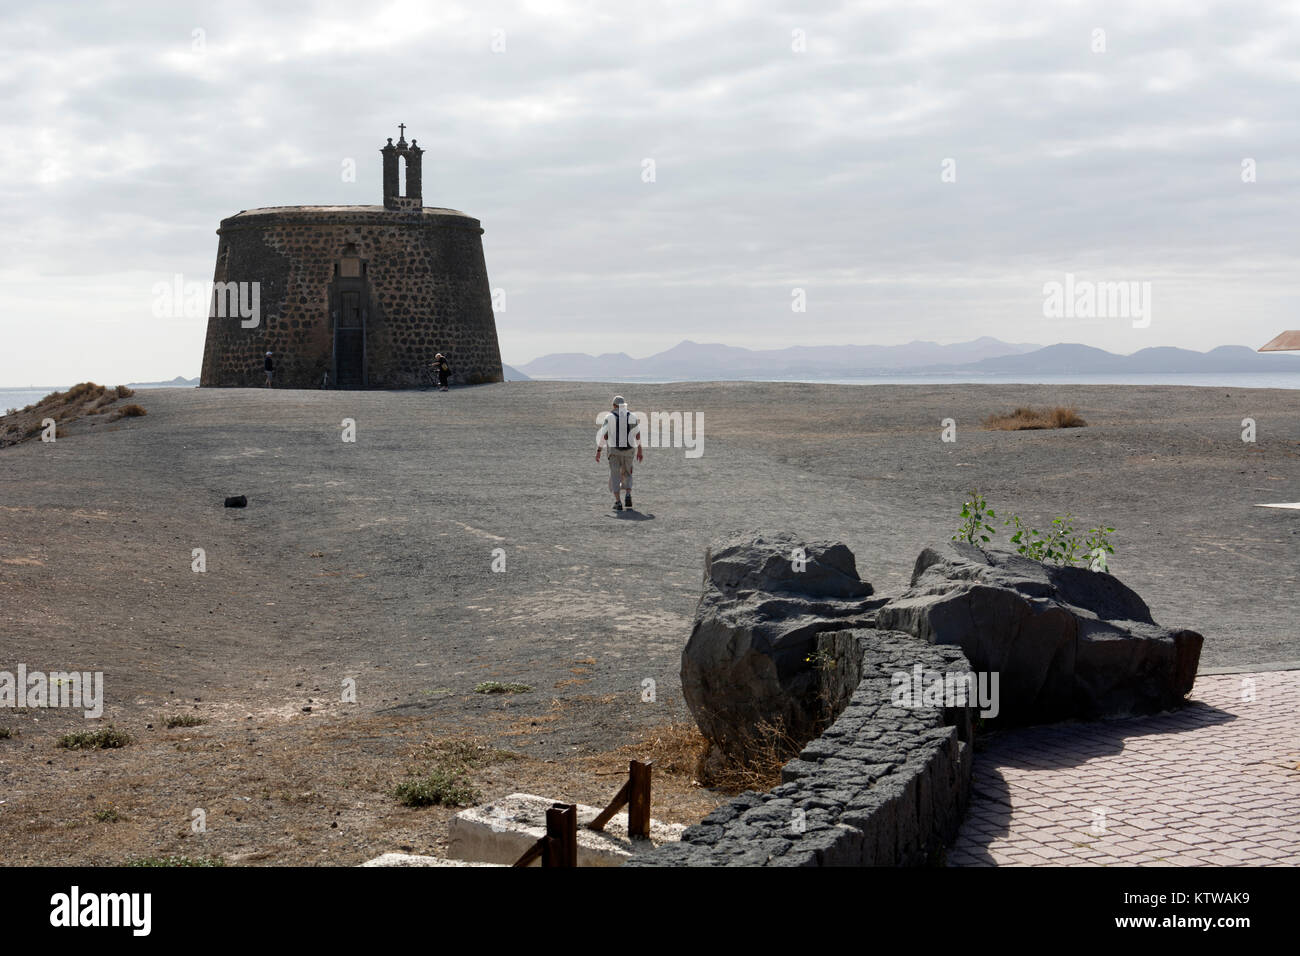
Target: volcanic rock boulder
<point x="1065" y="641"/>
<point x="766" y="597"/>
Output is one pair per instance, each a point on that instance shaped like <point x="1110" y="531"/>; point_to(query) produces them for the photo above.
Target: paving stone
<point x="1186" y="788"/>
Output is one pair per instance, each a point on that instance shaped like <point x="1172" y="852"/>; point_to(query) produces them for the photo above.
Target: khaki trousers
<point x="620" y="468"/>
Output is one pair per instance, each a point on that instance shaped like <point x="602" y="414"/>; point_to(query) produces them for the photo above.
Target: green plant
<point x="1061" y="544"/>
<point x="176" y="861"/>
<point x="823" y="659"/>
<point x="975" y="514"/>
<point x="1096" y="546"/>
<point x="1028" y="541"/>
<point x="109" y="815"/>
<point x="439" y="788"/>
<point x="104" y="739"/>
<point x="6" y="733"/>
<point x="183" y="720"/>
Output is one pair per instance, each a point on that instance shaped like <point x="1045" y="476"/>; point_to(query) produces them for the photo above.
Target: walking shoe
<point x="627" y="500"/>
<point x="617" y="506"/>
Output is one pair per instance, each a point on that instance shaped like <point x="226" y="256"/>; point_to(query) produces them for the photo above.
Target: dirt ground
<point x="372" y="562"/>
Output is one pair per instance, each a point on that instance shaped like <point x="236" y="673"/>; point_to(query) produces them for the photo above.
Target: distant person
<point x="270" y="369"/>
<point x="619" y="431"/>
<point x="442" y="370"/>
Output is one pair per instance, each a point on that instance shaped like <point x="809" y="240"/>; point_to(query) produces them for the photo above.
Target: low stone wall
<point x="883" y="786"/>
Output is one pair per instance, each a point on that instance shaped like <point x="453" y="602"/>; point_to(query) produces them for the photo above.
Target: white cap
<point x="618" y="400"/>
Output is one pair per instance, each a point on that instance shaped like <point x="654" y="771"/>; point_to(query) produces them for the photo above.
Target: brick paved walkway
<point x="1216" y="783"/>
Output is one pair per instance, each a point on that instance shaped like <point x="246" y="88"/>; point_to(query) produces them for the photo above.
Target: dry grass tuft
<point x="497" y="687"/>
<point x="676" y="748"/>
<point x="127" y="411"/>
<point x="751" y="764"/>
<point x="1026" y="417"/>
<point x="679" y="749"/>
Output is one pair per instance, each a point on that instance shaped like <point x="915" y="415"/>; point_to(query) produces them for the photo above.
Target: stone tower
<point x="352" y="296"/>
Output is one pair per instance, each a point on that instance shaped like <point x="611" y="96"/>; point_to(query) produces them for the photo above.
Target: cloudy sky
<point x="794" y="146"/>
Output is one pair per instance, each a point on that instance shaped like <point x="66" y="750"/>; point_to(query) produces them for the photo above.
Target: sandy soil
<point x="373" y="561"/>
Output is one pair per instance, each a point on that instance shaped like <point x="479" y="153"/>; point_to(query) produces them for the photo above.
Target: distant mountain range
<point x="512" y="374"/>
<point x="179" y="381"/>
<point x="693" y="361"/>
<point x="1083" y="359"/>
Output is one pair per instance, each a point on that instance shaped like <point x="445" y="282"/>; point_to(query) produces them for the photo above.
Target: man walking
<point x="442" y="370"/>
<point x="270" y="368"/>
<point x="619" y="430"/>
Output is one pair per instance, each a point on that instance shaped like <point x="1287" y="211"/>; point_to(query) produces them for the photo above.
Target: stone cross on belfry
<point x="410" y="155"/>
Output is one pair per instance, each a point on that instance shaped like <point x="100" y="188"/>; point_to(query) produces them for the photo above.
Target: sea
<point x="1203" y="379"/>
<point x="22" y="397"/>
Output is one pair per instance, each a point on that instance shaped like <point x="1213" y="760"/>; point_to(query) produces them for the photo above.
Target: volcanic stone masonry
<point x="354" y="296"/>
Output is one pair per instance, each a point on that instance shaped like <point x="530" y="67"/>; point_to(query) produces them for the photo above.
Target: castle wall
<point x="428" y="293"/>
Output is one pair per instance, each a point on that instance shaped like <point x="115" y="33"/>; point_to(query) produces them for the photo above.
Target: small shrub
<point x="753" y="763"/>
<point x="128" y="411"/>
<point x="176" y="861"/>
<point x="460" y="754"/>
<point x="183" y="720"/>
<point x="81" y="392"/>
<point x="109" y="815"/>
<point x="975" y="514"/>
<point x="1026" y="417"/>
<point x="124" y="392"/>
<point x="439" y="788"/>
<point x="7" y="732"/>
<point x="1096" y="546"/>
<point x="496" y="687"/>
<point x="1061" y="544"/>
<point x="106" y="738"/>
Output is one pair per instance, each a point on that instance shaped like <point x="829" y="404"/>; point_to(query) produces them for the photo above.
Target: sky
<point x="917" y="170"/>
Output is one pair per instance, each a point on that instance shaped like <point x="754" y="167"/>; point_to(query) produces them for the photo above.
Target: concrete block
<point x="502" y="831"/>
<point x="407" y="859"/>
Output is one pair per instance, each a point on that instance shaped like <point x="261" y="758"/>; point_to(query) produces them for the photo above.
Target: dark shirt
<point x="270" y="366"/>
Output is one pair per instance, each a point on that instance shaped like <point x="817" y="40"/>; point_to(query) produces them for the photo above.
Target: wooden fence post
<point x="561" y="847"/>
<point x="638" y="803"/>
